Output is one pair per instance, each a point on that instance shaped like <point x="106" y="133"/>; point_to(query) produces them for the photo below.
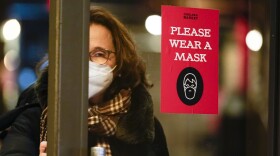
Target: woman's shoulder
<point x="26" y="110"/>
<point x="141" y="92"/>
<point x="25" y="129"/>
<point x="141" y="100"/>
<point x="137" y="126"/>
<point x="27" y="96"/>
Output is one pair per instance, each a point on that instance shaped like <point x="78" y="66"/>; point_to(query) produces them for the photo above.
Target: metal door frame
<point x="68" y="77"/>
<point x="274" y="85"/>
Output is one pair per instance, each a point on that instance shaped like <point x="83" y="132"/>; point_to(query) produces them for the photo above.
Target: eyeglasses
<point x="99" y="55"/>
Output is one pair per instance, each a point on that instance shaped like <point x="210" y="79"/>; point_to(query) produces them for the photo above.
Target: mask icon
<point x="190" y="85"/>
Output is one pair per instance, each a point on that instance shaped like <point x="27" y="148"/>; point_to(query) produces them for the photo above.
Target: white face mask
<point x="100" y="78"/>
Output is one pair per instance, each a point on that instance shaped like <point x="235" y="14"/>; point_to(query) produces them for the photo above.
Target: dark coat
<point x="138" y="135"/>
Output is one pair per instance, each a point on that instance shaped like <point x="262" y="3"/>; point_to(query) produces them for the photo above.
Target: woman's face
<point x="101" y="37"/>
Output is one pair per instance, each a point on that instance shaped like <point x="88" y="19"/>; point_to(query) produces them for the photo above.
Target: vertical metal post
<point x="274" y="78"/>
<point x="68" y="77"/>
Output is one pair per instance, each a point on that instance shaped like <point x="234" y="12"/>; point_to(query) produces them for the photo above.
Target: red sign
<point x="189" y="60"/>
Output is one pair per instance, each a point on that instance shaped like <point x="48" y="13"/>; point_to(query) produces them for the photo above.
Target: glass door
<point x="248" y="120"/>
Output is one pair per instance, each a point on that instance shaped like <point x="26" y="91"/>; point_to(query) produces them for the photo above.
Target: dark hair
<point x="131" y="69"/>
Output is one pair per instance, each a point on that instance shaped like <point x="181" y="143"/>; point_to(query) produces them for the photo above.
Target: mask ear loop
<point x="119" y="75"/>
<point x="113" y="68"/>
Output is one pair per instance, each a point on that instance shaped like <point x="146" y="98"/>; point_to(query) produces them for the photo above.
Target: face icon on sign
<point x="190" y="85"/>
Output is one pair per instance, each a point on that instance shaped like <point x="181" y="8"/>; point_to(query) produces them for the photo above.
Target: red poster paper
<point x="189" y="60"/>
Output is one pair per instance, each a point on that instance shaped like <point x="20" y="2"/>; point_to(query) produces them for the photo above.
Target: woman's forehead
<point x="100" y="36"/>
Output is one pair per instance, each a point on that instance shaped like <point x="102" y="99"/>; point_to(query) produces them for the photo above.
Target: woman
<point x="120" y="114"/>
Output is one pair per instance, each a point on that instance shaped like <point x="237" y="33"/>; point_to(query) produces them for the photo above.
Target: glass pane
<point x="23" y="43"/>
<point x="240" y="128"/>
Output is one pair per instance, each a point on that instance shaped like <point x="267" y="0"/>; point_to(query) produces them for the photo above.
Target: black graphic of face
<point x="190" y="84"/>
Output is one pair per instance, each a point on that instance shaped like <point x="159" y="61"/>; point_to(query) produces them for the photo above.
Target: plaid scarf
<point x="102" y="119"/>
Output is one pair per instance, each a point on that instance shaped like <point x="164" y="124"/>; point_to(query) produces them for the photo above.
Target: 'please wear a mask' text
<point x="196" y="44"/>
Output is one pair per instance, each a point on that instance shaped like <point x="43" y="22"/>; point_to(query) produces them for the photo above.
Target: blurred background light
<point x="11" y="60"/>
<point x="11" y="29"/>
<point x="254" y="40"/>
<point x="26" y="77"/>
<point x="153" y="24"/>
<point x="28" y="11"/>
<point x="10" y="94"/>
